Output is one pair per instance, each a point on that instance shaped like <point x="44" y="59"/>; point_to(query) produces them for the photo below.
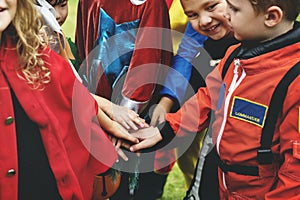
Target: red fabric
<point x="241" y="139"/>
<point x="65" y="113"/>
<point x="145" y="67"/>
<point x="169" y="3"/>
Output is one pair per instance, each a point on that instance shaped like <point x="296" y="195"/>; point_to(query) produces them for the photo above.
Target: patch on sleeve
<point x="249" y="111"/>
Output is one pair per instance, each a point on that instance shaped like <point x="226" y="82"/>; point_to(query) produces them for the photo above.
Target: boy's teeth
<point x="212" y="28"/>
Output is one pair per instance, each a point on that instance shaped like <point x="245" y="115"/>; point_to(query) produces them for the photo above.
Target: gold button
<point x="9" y="120"/>
<point x="11" y="172"/>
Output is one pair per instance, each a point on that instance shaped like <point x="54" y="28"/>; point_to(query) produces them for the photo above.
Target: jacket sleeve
<point x="152" y="54"/>
<point x="74" y="102"/>
<point x="194" y="115"/>
<point x="178" y="77"/>
<point x="87" y="26"/>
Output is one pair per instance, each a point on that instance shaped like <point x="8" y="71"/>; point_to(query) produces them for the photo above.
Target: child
<point x="175" y="88"/>
<point x="269" y="48"/>
<point x="54" y="13"/>
<point x="51" y="143"/>
<point x="61" y="11"/>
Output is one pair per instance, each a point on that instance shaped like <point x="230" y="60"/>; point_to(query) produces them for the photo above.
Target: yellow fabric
<point x="188" y="161"/>
<point x="178" y="22"/>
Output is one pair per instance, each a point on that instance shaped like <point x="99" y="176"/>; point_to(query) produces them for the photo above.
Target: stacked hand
<point x="125" y="127"/>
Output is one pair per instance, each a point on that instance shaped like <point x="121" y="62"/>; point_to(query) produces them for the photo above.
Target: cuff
<point x="136" y="106"/>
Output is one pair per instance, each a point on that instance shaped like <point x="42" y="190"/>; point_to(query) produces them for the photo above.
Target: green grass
<point x="174" y="188"/>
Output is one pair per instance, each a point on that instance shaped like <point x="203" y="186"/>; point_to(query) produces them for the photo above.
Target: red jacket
<point x="77" y="148"/>
<point x="237" y="134"/>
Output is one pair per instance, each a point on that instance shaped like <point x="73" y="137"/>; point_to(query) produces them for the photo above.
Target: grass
<point x="174" y="188"/>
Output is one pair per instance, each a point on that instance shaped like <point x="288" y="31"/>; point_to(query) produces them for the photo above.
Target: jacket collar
<point x="251" y="49"/>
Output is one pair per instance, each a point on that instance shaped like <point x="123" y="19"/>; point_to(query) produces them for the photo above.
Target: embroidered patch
<point x="249" y="111"/>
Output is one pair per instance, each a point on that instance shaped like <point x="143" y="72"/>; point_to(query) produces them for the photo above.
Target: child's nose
<point x="204" y="20"/>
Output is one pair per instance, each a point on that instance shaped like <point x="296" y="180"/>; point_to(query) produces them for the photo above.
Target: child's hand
<point x="164" y="106"/>
<point x="118" y="143"/>
<point x="158" y="115"/>
<point x="120" y="132"/>
<point x="127" y="118"/>
<point x="148" y="138"/>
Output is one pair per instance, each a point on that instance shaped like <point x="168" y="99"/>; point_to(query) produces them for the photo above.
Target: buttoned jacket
<point x="76" y="146"/>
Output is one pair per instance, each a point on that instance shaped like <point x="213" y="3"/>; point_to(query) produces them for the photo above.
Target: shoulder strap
<point x="264" y="154"/>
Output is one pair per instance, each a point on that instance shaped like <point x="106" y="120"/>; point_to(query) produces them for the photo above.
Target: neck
<point x="280" y="30"/>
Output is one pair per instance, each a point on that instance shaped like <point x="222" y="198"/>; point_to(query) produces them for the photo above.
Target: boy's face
<point x="207" y="17"/>
<point x="245" y="22"/>
<point x="61" y="10"/>
<point x="7" y="13"/>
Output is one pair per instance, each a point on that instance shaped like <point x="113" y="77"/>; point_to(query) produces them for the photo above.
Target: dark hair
<point x="290" y="8"/>
<point x="55" y="2"/>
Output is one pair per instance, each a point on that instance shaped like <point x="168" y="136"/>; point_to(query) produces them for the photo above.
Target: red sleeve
<point x="87" y="26"/>
<point x="194" y="115"/>
<point x="152" y="54"/>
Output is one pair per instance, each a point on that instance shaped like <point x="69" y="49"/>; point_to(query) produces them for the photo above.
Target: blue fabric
<point x="248" y="111"/>
<point x="115" y="45"/>
<point x="179" y="75"/>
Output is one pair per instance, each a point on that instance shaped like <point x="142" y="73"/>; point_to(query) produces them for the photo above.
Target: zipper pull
<point x="237" y="62"/>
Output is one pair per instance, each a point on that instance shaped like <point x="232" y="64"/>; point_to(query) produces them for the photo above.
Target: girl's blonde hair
<point x="27" y="26"/>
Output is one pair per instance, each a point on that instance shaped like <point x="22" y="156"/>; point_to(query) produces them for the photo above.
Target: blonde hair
<point x="27" y="25"/>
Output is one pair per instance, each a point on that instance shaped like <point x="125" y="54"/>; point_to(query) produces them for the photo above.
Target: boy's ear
<point x="273" y="16"/>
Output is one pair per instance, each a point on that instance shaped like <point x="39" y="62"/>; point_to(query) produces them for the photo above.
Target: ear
<point x="273" y="16"/>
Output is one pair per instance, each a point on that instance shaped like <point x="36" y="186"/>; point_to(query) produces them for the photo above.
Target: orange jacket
<point x="239" y="121"/>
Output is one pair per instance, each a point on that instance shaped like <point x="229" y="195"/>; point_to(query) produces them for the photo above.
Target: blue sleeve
<point x="179" y="74"/>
